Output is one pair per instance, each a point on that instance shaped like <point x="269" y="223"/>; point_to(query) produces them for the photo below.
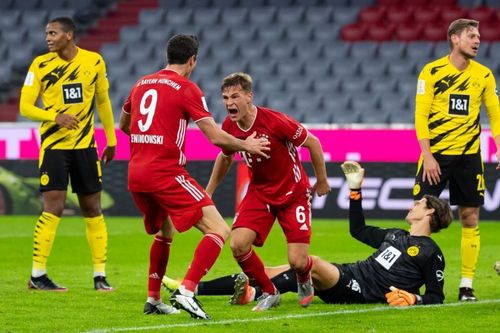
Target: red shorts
<point x="182" y="200"/>
<point x="294" y="218"/>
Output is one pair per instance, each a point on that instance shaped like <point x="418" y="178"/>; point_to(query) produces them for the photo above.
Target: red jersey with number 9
<point x="160" y="106"/>
<point x="278" y="179"/>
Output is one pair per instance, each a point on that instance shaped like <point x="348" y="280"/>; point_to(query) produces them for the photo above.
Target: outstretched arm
<point x="372" y="236"/>
<point x="252" y="145"/>
<point x="316" y="151"/>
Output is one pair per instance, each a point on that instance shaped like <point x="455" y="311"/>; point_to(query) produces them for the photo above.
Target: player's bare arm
<point x="108" y="154"/>
<point x="125" y="123"/>
<point x="221" y="167"/>
<point x="216" y="136"/>
<point x="318" y="161"/>
<point x="68" y="121"/>
<point x="432" y="171"/>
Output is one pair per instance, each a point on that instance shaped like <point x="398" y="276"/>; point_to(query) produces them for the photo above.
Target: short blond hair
<point x="241" y="79"/>
<point x="456" y="27"/>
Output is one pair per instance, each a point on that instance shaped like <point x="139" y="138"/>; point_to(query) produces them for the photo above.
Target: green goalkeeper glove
<point x="354" y="174"/>
<point x="399" y="297"/>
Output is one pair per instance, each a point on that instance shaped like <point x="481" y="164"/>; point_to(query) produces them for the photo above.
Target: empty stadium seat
<point x="281" y="50"/>
<point x="345" y="68"/>
<point x="152" y="17"/>
<point x="383" y="85"/>
<point x="364" y="50"/>
<point x="34" y="19"/>
<point x="289" y="67"/>
<point x="419" y="50"/>
<point x="336" y="50"/>
<point x="214" y="34"/>
<point x="391" y="50"/>
<point x="272" y="33"/>
<point x="299" y="34"/>
<point x="318" y="69"/>
<point x="373" y="67"/>
<point x="234" y="17"/>
<point x="298" y="85"/>
<point x="261" y="16"/>
<point x="242" y="34"/>
<point x="178" y="16"/>
<point x="326" y="85"/>
<point x="132" y="34"/>
<point x="318" y="15"/>
<point x="223" y="50"/>
<point x="269" y="87"/>
<point x="206" y="17"/>
<point x="326" y="33"/>
<point x="252" y="50"/>
<point x="354" y="85"/>
<point x="290" y="15"/>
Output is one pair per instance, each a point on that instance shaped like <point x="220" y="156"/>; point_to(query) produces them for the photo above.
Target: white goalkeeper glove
<point x="354" y="174"/>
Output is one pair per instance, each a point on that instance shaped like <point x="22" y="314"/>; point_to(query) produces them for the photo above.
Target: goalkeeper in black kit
<point x="403" y="262"/>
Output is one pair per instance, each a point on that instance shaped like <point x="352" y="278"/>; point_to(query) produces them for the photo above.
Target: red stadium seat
<point x="389" y="2"/>
<point x="450" y="14"/>
<point x="444" y="3"/>
<point x="371" y="14"/>
<point x="496" y="15"/>
<point x="435" y="33"/>
<point x="353" y="32"/>
<point x="380" y="33"/>
<point x="489" y="32"/>
<point x="399" y="14"/>
<point x="426" y="15"/>
<point x="482" y="14"/>
<point x="408" y="33"/>
<point x="416" y="3"/>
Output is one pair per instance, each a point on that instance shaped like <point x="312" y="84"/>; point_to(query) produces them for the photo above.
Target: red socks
<point x="302" y="277"/>
<point x="254" y="268"/>
<point x="158" y="260"/>
<point x="206" y="253"/>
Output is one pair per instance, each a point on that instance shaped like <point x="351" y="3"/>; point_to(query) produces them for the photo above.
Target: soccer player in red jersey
<point x="155" y="115"/>
<point x="279" y="187"/>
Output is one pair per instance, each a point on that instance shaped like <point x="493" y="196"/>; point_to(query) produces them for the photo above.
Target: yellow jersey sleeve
<point x="492" y="105"/>
<point x="423" y="102"/>
<point x="29" y="95"/>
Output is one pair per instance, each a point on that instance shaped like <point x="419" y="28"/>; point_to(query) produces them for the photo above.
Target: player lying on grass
<point x="403" y="262"/>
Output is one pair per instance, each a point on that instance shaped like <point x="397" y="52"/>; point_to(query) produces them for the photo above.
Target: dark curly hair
<point x="442" y="216"/>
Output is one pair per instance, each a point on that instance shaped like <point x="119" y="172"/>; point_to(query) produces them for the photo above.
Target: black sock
<point x="220" y="286"/>
<point x="286" y="281"/>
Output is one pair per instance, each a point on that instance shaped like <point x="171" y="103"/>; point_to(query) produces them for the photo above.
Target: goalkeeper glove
<point x="399" y="297"/>
<point x="354" y="174"/>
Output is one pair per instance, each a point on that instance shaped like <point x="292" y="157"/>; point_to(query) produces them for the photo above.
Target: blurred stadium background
<point x="322" y="61"/>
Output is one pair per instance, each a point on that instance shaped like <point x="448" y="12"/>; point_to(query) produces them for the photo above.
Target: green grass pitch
<point x="82" y="309"/>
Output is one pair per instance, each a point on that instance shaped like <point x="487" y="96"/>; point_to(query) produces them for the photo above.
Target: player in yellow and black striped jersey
<point x="450" y="92"/>
<point x="68" y="79"/>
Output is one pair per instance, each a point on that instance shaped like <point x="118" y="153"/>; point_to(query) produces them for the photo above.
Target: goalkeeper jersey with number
<point x="279" y="178"/>
<point x="448" y="105"/>
<point x="67" y="87"/>
<point x="160" y="106"/>
<point x="401" y="260"/>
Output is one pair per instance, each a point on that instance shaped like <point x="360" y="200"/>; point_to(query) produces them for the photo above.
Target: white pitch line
<point x="292" y="316"/>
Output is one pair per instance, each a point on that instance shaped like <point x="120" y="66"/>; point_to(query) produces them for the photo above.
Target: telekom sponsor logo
<point x="22" y="141"/>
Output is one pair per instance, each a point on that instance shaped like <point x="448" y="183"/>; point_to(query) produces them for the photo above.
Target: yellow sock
<point x="470" y="245"/>
<point x="97" y="237"/>
<point x="43" y="239"/>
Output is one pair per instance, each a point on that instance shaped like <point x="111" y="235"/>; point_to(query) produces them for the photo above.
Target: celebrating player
<point x="403" y="262"/>
<point x="279" y="187"/>
<point x="68" y="78"/>
<point x="155" y="116"/>
<point x="450" y="91"/>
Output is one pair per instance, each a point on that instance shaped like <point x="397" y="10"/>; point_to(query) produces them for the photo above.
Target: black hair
<point x="180" y="48"/>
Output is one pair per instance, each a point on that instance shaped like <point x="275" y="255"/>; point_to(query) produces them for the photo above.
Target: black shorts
<point x="346" y="291"/>
<point x="465" y="175"/>
<point x="81" y="165"/>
